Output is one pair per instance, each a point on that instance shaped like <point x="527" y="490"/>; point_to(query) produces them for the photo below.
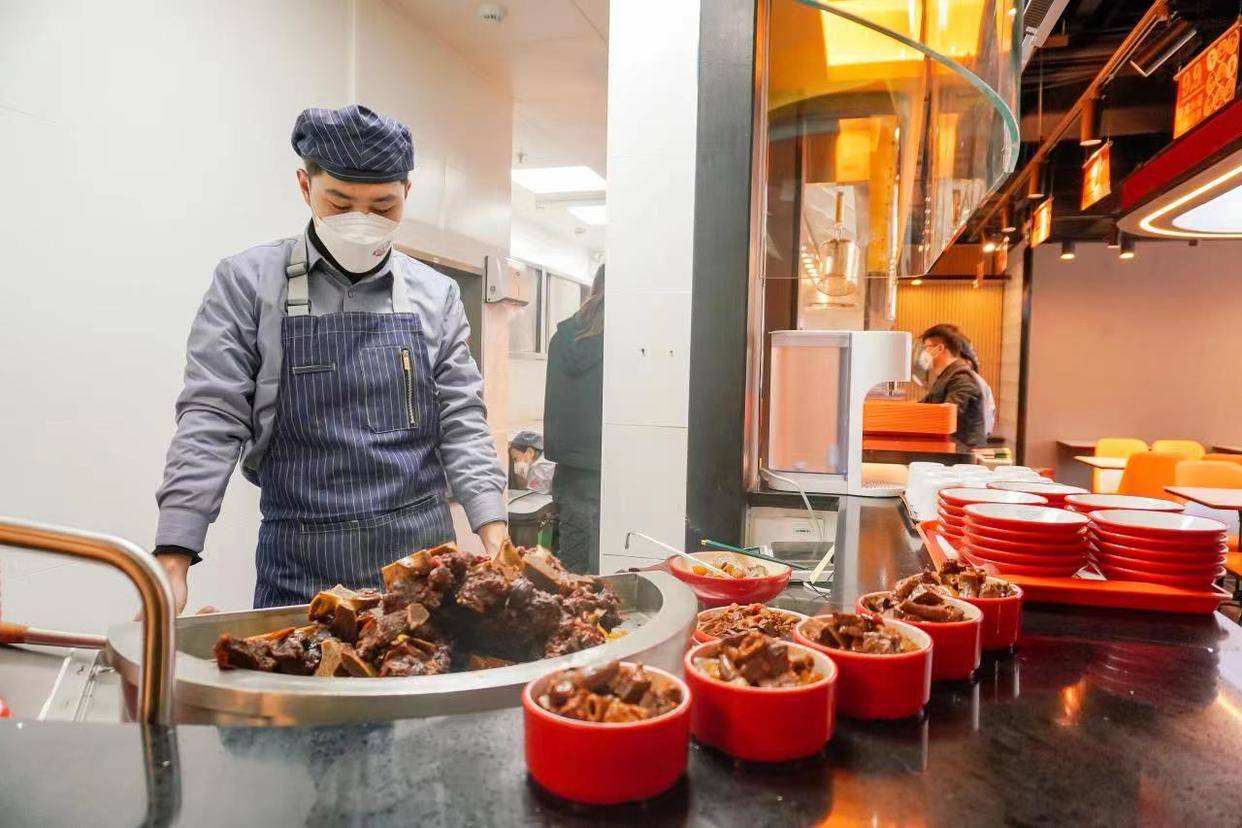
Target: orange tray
<point x="1092" y="593"/>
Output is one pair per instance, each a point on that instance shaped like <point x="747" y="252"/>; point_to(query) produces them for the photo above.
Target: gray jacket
<point x="228" y="405"/>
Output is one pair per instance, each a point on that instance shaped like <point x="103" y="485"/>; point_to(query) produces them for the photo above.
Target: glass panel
<point x="524" y="324"/>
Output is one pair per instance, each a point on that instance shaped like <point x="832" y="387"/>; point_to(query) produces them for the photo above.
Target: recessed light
<point x="544" y="180"/>
<point x="593" y="214"/>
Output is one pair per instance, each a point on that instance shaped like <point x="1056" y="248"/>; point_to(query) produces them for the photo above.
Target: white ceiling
<point x="553" y="55"/>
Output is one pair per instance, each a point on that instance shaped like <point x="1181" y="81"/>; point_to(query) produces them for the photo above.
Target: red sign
<point x="1208" y="82"/>
<point x="1097" y="175"/>
<point x="1041" y="223"/>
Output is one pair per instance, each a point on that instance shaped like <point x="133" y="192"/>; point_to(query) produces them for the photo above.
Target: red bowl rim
<point x="960" y="501"/>
<point x="1157" y="578"/>
<point x="988" y="527"/>
<point x="1017" y="596"/>
<point x="1108" y="546"/>
<point x="1138" y="564"/>
<point x="1067" y="526"/>
<point x="1049" y="561"/>
<point x="705" y="614"/>
<point x="1101" y="517"/>
<point x="821" y="658"/>
<point x="974" y="615"/>
<point x="529" y="703"/>
<point x="1165" y="544"/>
<point x="1023" y="569"/>
<point x="1173" y="505"/>
<point x="920" y="637"/>
<point x="679" y="566"/>
<point x="1054" y="548"/>
<point x="1063" y="491"/>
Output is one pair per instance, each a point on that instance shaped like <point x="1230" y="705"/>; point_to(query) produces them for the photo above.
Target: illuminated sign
<point x="1041" y="223"/>
<point x="1208" y="82"/>
<point x="1097" y="175"/>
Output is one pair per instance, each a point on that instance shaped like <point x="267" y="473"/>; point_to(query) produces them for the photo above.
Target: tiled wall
<point x="151" y="145"/>
<point x="652" y="104"/>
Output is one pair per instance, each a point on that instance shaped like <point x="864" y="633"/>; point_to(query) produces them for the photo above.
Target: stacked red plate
<point x="1094" y="502"/>
<point x="1024" y="540"/>
<point x="1158" y="547"/>
<point x="1054" y="493"/>
<point x="952" y="503"/>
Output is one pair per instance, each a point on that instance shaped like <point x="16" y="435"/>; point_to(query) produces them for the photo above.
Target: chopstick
<point x="705" y="542"/>
<point x="683" y="553"/>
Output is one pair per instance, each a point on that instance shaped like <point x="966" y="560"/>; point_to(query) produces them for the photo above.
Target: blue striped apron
<point x="352" y="478"/>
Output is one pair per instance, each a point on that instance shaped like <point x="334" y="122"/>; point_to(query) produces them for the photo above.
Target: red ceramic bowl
<point x="1001" y="625"/>
<point x="1037" y="519"/>
<point x="945" y="508"/>
<point x="1054" y="492"/>
<point x="652" y="752"/>
<point x="1204" y="571"/>
<point x="1160" y="525"/>
<point x="954" y="532"/>
<point x="879" y="686"/>
<point x="1023" y="537"/>
<point x="1208" y="555"/>
<point x="717" y="592"/>
<point x="964" y="496"/>
<point x="1058" y="562"/>
<point x="1095" y="502"/>
<point x="957" y="646"/>
<point x="952" y="521"/>
<point x="763" y="724"/>
<point x="701" y="637"/>
<point x="1118" y="573"/>
<point x="1002" y="568"/>
<point x="1043" y="549"/>
<point x="1103" y="533"/>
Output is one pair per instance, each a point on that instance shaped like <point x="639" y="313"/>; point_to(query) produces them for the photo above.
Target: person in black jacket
<point x="573" y="408"/>
<point x="954" y="382"/>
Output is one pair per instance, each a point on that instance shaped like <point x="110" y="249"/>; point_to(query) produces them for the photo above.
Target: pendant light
<point x="1067" y="249"/>
<point x="1127" y="247"/>
<point x="1007" y="223"/>
<point x="1089" y="123"/>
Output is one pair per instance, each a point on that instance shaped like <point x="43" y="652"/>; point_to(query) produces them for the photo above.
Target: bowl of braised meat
<point x="606" y="734"/>
<point x="998" y="600"/>
<point x="761" y="699"/>
<point x="723" y="622"/>
<point x="953" y="624"/>
<point x="883" y="665"/>
<point x="442" y="610"/>
<point x="749" y="580"/>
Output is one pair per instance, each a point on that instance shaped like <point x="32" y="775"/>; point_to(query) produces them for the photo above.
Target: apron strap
<point x="297" y="303"/>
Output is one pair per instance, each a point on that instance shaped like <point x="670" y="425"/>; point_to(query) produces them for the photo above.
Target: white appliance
<point x="819" y="382"/>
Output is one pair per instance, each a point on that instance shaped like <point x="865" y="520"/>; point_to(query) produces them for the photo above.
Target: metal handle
<point x="156" y="683"/>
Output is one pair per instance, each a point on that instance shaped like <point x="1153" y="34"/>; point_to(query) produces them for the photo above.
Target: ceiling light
<point x="593" y="214"/>
<point x="1219" y="214"/>
<point x="1113" y="239"/>
<point x="915" y="282"/>
<point x="1127" y="247"/>
<point x="542" y="180"/>
<point x="1156" y="50"/>
<point x="989" y="244"/>
<point x="1089" y="123"/>
<point x="1007" y="222"/>
<point x="1234" y="231"/>
<point x="1035" y="183"/>
<point x="1067" y="249"/>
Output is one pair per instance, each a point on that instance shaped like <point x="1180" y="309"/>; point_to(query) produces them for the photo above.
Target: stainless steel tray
<point x="659" y="613"/>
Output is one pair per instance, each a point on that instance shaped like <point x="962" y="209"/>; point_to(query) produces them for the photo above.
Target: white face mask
<point x="358" y="241"/>
<point x="522" y="469"/>
<point x="925" y="360"/>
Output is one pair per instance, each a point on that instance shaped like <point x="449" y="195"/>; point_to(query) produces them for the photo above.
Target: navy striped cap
<point x="354" y="143"/>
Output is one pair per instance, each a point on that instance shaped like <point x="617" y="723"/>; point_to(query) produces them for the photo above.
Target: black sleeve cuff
<point x="168" y="549"/>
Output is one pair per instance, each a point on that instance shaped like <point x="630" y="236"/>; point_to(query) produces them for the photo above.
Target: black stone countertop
<point x="1101" y="717"/>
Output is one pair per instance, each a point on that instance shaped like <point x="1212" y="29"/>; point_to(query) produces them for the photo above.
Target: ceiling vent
<point x="490" y="12"/>
<point x="1038" y="18"/>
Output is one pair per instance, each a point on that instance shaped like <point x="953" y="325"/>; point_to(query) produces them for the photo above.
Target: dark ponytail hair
<point x="591" y="315"/>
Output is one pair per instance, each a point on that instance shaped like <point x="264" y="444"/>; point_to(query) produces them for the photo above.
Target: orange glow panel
<point x="1208" y="82"/>
<point x="1041" y="223"/>
<point x="1097" y="175"/>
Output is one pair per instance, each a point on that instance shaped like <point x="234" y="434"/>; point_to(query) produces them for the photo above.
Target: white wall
<point x="145" y="141"/>
<point x="652" y="80"/>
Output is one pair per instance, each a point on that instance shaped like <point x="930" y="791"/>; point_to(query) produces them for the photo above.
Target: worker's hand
<point x="175" y="567"/>
<point x="493" y="535"/>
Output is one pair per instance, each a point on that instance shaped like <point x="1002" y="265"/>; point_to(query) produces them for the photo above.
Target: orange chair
<point x="1147" y="473"/>
<point x="1224" y="458"/>
<point x="1214" y="474"/>
<point x="1188" y="449"/>
<point x="1106" y="480"/>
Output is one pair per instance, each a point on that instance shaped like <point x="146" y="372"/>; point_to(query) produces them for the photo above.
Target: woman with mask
<point x="952" y="380"/>
<point x="573" y="408"/>
<point x="338" y="370"/>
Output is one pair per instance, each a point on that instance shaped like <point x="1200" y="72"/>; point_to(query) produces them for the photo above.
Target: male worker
<point x="338" y="369"/>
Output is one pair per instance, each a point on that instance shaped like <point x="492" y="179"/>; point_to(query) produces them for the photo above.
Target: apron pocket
<point x="390" y="375"/>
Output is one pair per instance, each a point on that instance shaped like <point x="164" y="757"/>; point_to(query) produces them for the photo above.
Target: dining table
<point x="1108" y="463"/>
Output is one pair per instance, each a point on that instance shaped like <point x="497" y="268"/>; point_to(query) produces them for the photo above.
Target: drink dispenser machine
<point x="819" y="381"/>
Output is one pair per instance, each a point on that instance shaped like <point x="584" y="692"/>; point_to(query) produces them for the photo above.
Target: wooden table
<point x="1227" y="449"/>
<point x="1109" y="463"/>
<point x="1213" y="498"/>
<point x="1076" y="445"/>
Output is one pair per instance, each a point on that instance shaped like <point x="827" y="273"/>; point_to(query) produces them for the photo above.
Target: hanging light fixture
<point x="834" y="265"/>
<point x="1007" y="223"/>
<point x="1067" y="249"/>
<point x="1113" y="240"/>
<point x="1158" y="49"/>
<point x="1035" y="182"/>
<point x="1127" y="247"/>
<point x="1089" y="123"/>
<point x="989" y="243"/>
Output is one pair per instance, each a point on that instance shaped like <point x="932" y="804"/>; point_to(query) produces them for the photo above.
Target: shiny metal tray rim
<point x="201" y="683"/>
